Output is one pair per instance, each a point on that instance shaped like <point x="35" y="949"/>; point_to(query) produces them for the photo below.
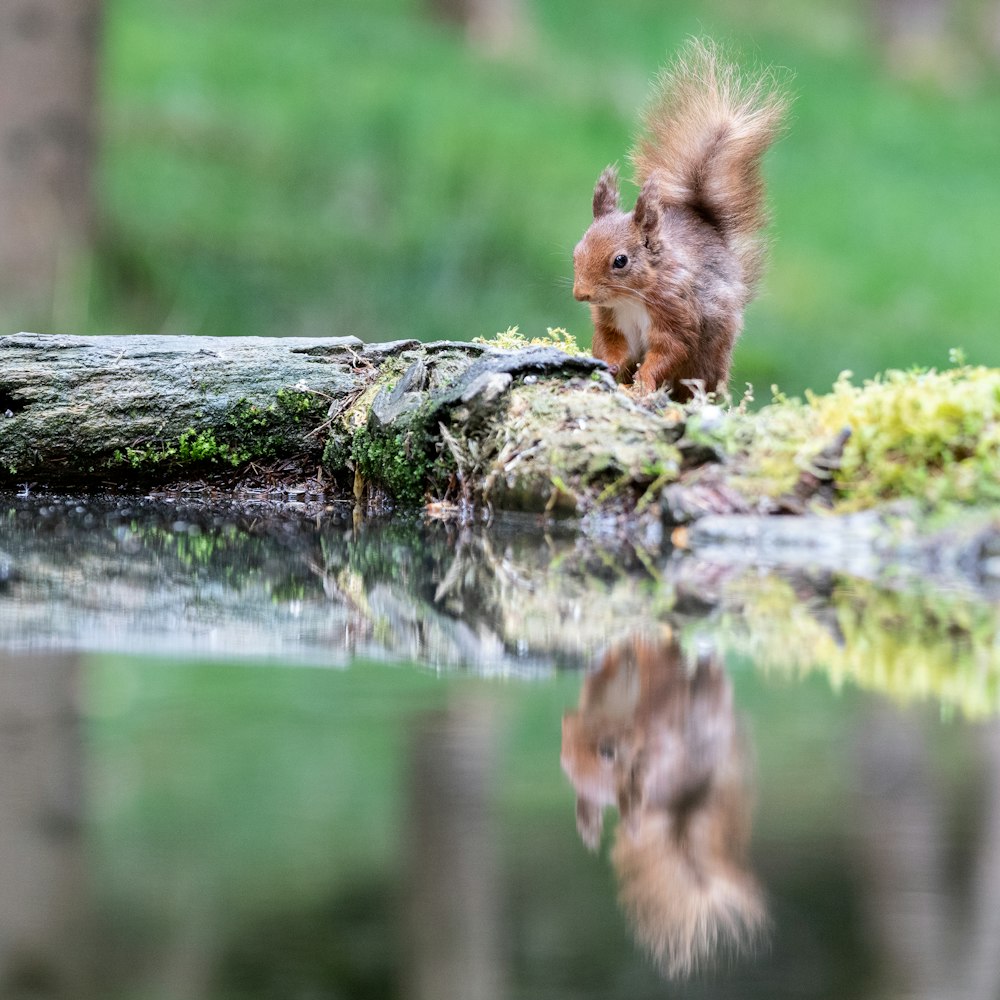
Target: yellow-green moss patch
<point x="932" y="436"/>
<point x="512" y="339"/>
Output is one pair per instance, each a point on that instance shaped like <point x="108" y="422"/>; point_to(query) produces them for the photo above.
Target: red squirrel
<point x="656" y="734"/>
<point x="667" y="283"/>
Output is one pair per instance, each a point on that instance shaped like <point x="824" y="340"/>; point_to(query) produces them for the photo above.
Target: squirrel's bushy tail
<point x="687" y="909"/>
<point x="705" y="131"/>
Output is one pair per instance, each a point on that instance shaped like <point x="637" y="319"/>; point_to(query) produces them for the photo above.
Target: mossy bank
<point x="527" y="427"/>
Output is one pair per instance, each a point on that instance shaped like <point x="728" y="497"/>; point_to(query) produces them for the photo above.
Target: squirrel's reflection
<point x="656" y="735"/>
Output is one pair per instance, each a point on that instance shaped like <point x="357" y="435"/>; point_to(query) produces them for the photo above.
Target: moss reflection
<point x="917" y="644"/>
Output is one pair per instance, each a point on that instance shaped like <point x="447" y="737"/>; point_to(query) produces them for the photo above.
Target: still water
<point x="250" y="755"/>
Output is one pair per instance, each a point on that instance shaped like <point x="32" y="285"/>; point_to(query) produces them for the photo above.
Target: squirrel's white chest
<point x="632" y="318"/>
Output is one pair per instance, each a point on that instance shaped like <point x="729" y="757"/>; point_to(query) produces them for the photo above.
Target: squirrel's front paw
<point x="644" y="386"/>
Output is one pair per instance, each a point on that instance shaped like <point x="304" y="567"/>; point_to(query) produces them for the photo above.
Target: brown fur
<point x="693" y="242"/>
<point x="658" y="738"/>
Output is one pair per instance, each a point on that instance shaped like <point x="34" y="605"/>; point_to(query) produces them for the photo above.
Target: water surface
<point x="250" y="755"/>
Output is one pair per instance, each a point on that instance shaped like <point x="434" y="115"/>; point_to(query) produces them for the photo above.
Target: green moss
<point x="922" y="434"/>
<point x="583" y="444"/>
<point x="337" y="452"/>
<point x="405" y="462"/>
<point x="249" y="431"/>
<point x="191" y="447"/>
<point x="512" y="339"/>
<point x="267" y="431"/>
<point x="393" y="462"/>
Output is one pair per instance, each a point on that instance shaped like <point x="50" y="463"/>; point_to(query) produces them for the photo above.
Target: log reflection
<point x="656" y="736"/>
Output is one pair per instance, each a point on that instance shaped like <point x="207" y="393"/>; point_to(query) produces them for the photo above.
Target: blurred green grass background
<point x="271" y="810"/>
<point x="320" y="168"/>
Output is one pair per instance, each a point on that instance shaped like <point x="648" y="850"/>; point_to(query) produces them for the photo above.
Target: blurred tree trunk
<point x="920" y="39"/>
<point x="48" y="71"/>
<point x="981" y="962"/>
<point x="493" y="25"/>
<point x="992" y="28"/>
<point x="453" y="901"/>
<point x="900" y="822"/>
<point x="934" y="947"/>
<point x="44" y="908"/>
<point x="906" y="20"/>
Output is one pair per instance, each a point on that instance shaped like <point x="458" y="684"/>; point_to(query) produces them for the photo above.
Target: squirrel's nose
<point x="580" y="294"/>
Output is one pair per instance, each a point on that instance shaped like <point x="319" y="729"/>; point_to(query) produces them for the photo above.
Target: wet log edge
<point x="446" y="425"/>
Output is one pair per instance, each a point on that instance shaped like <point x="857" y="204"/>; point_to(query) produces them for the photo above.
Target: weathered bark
<point x="528" y="429"/>
<point x="110" y="408"/>
<point x="48" y="71"/>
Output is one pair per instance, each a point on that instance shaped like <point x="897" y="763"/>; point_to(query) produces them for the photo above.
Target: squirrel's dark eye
<point x="620" y="261"/>
<point x="606" y="749"/>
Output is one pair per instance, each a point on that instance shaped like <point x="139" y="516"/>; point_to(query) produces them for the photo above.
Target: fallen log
<point x="109" y="409"/>
<point x="532" y="429"/>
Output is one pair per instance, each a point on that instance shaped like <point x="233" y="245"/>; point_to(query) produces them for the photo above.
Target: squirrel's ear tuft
<point x="647" y="213"/>
<point x="606" y="193"/>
